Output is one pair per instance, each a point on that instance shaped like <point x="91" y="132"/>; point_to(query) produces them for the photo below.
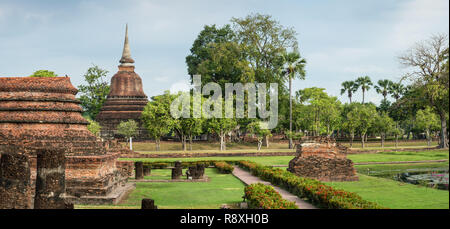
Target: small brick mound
<point x="323" y="159"/>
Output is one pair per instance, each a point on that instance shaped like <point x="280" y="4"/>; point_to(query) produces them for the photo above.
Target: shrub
<point x="317" y="192"/>
<point x="260" y="196"/>
<point x="224" y="167"/>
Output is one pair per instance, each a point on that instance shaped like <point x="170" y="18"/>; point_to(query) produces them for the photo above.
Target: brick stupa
<point x="36" y="113"/>
<point x="323" y="159"/>
<point x="126" y="99"/>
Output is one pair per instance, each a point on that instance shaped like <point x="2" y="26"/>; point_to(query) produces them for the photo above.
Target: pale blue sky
<point x="341" y="39"/>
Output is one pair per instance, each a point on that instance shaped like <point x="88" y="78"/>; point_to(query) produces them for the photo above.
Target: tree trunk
<point x="428" y="138"/>
<point x="382" y="140"/>
<point x="362" y="140"/>
<point x="183" y="142"/>
<point x="131" y="143"/>
<point x="267" y="141"/>
<point x="259" y="143"/>
<point x="443" y="144"/>
<point x="190" y="142"/>
<point x="396" y="140"/>
<point x="158" y="145"/>
<point x="222" y="136"/>
<point x="290" y="113"/>
<point x="352" y="136"/>
<point x="363" y="95"/>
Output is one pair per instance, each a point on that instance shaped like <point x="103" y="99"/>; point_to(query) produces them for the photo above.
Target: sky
<point x="340" y="39"/>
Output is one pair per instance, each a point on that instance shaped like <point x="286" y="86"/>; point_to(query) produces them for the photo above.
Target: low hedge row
<point x="186" y="164"/>
<point x="260" y="196"/>
<point x="223" y="167"/>
<point x="317" y="192"/>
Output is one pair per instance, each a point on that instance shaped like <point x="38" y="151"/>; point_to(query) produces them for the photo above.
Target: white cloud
<point x="180" y="86"/>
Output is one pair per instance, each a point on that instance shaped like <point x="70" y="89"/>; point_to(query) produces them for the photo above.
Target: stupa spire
<point x="126" y="59"/>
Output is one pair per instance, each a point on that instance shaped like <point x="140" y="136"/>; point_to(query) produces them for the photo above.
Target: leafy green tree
<point x="95" y="92"/>
<point x="226" y="64"/>
<point x="429" y="60"/>
<point x="128" y="129"/>
<point x="261" y="133"/>
<point x="383" y="87"/>
<point x="156" y="117"/>
<point x="265" y="40"/>
<point x="94" y="127"/>
<point x="324" y="110"/>
<point x="364" y="83"/>
<point x="43" y="73"/>
<point x="362" y="116"/>
<point x="396" y="90"/>
<point x="350" y="87"/>
<point x="294" y="68"/>
<point x="383" y="125"/>
<point x="385" y="105"/>
<point x="201" y="49"/>
<point x="427" y="120"/>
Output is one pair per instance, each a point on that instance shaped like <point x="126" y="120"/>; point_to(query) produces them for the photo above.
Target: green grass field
<point x="226" y="189"/>
<point x="396" y="195"/>
<point x="221" y="189"/>
<point x="356" y="158"/>
<point x="171" y="146"/>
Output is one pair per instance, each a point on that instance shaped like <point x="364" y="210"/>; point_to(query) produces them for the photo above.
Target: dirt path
<point x="248" y="179"/>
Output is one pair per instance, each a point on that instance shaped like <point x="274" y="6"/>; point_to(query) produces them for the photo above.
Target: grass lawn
<point x="172" y="146"/>
<point x="222" y="189"/>
<point x="396" y="195"/>
<point x="400" y="156"/>
<point x="284" y="160"/>
<point x="398" y="168"/>
<point x="270" y="160"/>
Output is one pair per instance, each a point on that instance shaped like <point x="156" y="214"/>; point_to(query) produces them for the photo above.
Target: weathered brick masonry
<point x="323" y="159"/>
<point x="126" y="99"/>
<point x="43" y="112"/>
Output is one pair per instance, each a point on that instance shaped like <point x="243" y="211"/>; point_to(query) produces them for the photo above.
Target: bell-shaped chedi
<point x="126" y="99"/>
<point x="42" y="113"/>
<point x="323" y="159"/>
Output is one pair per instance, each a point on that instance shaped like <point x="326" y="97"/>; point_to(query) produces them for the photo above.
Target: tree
<point x="362" y="117"/>
<point x="383" y="87"/>
<point x="265" y="40"/>
<point x="201" y="51"/>
<point x="156" y="117"/>
<point x="427" y="120"/>
<point x="261" y="133"/>
<point x="226" y="64"/>
<point x="429" y="63"/>
<point x="350" y="87"/>
<point x="43" y="73"/>
<point x="364" y="83"/>
<point x="94" y="127"/>
<point x="128" y="129"/>
<point x="396" y="90"/>
<point x="94" y="94"/>
<point x="294" y="68"/>
<point x="383" y="125"/>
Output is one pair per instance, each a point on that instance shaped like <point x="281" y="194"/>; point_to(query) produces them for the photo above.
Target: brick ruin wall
<point x="40" y="113"/>
<point x="323" y="159"/>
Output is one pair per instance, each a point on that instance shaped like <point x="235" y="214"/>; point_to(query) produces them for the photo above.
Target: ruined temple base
<point x="115" y="197"/>
<point x="321" y="158"/>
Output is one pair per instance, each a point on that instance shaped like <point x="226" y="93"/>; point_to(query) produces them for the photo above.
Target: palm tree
<point x="294" y="67"/>
<point x="350" y="87"/>
<point x="396" y="90"/>
<point x="364" y="83"/>
<point x="383" y="87"/>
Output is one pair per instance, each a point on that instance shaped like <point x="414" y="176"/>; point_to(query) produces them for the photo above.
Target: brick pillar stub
<point x="15" y="189"/>
<point x="50" y="179"/>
